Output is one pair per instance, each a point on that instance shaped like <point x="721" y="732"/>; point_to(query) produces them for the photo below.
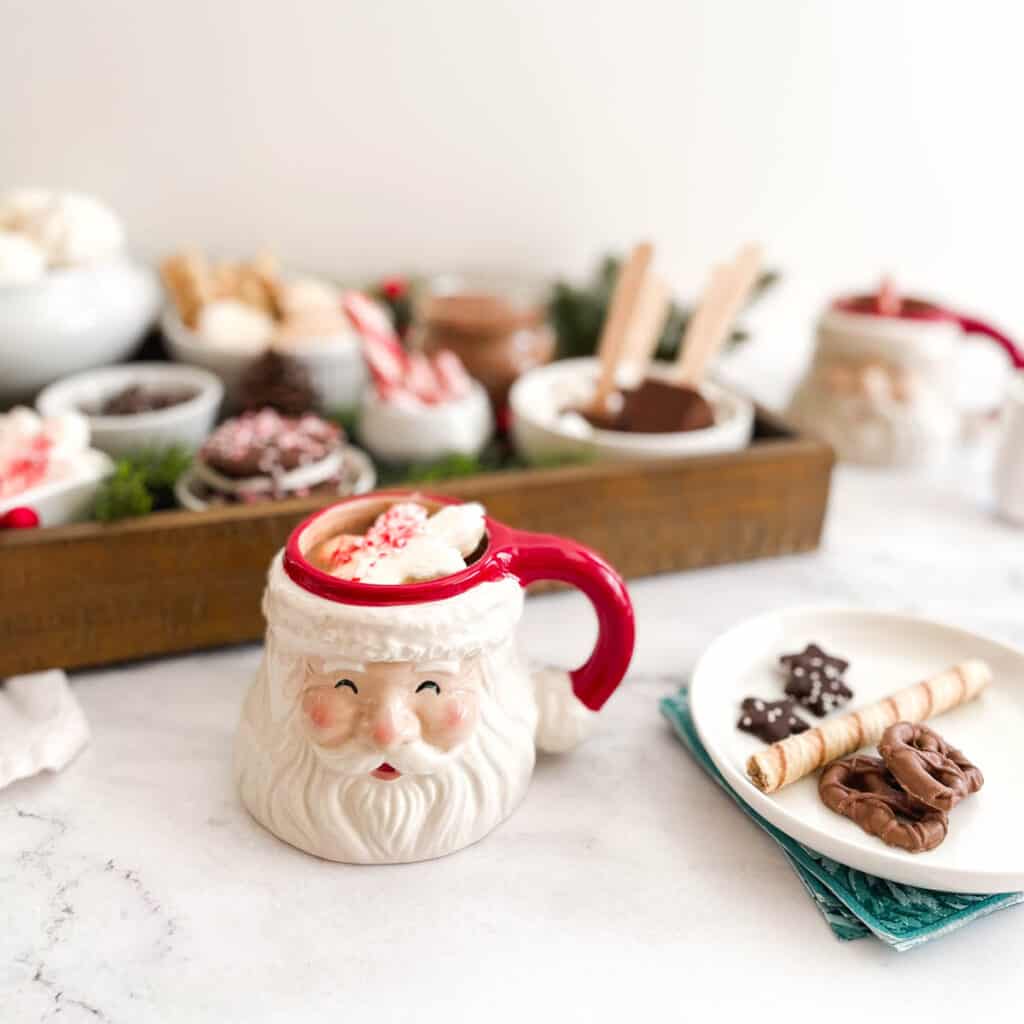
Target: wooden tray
<point x="176" y="581"/>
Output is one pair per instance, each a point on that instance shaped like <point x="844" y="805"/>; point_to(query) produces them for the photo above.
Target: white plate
<point x="984" y="851"/>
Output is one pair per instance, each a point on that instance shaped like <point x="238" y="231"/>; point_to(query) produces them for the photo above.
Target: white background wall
<point x="379" y="135"/>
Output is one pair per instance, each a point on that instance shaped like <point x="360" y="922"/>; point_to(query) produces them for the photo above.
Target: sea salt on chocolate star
<point x="816" y="679"/>
<point x="770" y="720"/>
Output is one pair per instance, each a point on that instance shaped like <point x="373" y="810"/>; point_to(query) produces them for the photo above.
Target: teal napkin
<point x="854" y="904"/>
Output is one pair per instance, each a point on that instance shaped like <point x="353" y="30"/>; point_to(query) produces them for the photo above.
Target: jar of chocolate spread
<point x="497" y="327"/>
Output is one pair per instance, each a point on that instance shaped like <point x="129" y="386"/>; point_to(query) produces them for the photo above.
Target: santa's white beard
<point x="296" y="792"/>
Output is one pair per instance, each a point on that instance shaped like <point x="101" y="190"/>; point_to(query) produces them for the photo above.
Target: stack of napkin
<point x="854" y="904"/>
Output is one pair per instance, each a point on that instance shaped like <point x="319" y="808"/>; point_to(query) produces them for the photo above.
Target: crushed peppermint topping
<point x="269" y="444"/>
<point x="405" y="543"/>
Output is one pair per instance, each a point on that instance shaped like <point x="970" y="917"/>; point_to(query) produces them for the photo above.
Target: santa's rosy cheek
<point x="455" y="722"/>
<point x="318" y="709"/>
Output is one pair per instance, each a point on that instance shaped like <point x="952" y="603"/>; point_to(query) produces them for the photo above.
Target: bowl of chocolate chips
<point x="139" y="406"/>
<point x="652" y="416"/>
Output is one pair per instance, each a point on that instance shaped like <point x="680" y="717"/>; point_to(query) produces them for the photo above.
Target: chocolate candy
<point x="135" y="399"/>
<point x="276" y="381"/>
<point x="927" y="767"/>
<point x="815" y="679"/>
<point x="770" y="720"/>
<point x="862" y="789"/>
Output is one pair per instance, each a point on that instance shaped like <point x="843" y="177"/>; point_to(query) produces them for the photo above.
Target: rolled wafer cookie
<point x="791" y="759"/>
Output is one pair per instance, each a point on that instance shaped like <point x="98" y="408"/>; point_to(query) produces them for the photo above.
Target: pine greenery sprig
<point x="141" y="483"/>
<point x="578" y="313"/>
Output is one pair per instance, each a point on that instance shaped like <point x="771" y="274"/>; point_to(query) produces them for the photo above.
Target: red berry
<point x="394" y="287"/>
<point x="20" y="518"/>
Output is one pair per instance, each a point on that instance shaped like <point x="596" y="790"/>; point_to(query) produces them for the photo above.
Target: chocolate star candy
<point x="816" y="679"/>
<point x="771" y="720"/>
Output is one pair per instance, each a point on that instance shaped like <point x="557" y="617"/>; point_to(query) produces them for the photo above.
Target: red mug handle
<point x="972" y="325"/>
<point x="540" y="556"/>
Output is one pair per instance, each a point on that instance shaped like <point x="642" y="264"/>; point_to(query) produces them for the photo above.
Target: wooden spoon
<point x="722" y="303"/>
<point x="645" y="327"/>
<point x="688" y="356"/>
<point x="620" y="312"/>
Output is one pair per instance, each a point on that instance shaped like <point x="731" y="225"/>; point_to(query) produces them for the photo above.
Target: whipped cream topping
<point x="405" y="544"/>
<point x="34" y="451"/>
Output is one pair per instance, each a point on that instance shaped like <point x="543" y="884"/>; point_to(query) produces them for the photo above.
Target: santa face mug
<point x="391" y="723"/>
<point x="881" y="388"/>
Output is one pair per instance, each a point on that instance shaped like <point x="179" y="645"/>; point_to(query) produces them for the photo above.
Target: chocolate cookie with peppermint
<point x="815" y="679"/>
<point x="770" y="720"/>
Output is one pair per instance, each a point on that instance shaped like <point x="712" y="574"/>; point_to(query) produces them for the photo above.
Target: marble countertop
<point x="134" y="888"/>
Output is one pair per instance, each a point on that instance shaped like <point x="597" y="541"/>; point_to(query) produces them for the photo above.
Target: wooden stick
<point x="789" y="760"/>
<point x="742" y="276"/>
<point x="620" y="311"/>
<point x="696" y="329"/>
<point x="646" y="324"/>
<point x="745" y="271"/>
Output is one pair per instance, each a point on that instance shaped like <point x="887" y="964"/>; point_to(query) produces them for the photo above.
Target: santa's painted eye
<point x="428" y="685"/>
<point x="346" y="682"/>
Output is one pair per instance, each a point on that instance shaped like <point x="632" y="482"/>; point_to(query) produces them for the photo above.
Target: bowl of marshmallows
<point x="70" y="297"/>
<point x="226" y="315"/>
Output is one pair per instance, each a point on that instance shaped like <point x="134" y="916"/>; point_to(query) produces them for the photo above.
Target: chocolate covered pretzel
<point x="862" y="789"/>
<point x="927" y="767"/>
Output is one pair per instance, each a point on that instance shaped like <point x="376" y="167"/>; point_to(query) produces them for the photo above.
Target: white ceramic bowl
<point x="356" y="461"/>
<point x="396" y="433"/>
<point x="335" y="365"/>
<point x="73" y="319"/>
<point x="71" y="497"/>
<point x="187" y="424"/>
<point x="542" y="431"/>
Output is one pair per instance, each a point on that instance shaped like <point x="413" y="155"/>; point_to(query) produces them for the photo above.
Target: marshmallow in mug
<point x="405" y="544"/>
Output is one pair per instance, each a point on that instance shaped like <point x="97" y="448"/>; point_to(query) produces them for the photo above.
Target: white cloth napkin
<point x="42" y="725"/>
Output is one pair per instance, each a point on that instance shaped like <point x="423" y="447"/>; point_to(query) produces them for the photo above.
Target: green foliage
<point x="448" y="467"/>
<point x="347" y="417"/>
<point x="578" y="313"/>
<point x="123" y="495"/>
<point x="495" y="458"/>
<point x="160" y="469"/>
<point x="140" y="484"/>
